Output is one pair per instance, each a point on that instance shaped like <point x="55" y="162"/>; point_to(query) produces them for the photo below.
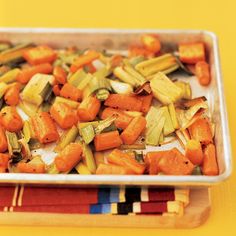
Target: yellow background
<point x="215" y="15"/>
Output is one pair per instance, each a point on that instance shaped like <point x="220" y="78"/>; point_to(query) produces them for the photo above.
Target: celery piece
<point x="82" y="169"/>
<point x="10" y="76"/>
<point x="186" y="89"/>
<point x="3" y="88"/>
<point x="168" y="126"/>
<point x="68" y="137"/>
<point x="173" y="115"/>
<point x="120" y="87"/>
<point x="102" y="94"/>
<point x="28" y="108"/>
<point x="52" y="169"/>
<point x="72" y="104"/>
<point x="14" y="146"/>
<point x="136" y="60"/>
<point x="27" y="131"/>
<point x="88" y="158"/>
<point x="83" y="124"/>
<point x="76" y="78"/>
<point x="84" y="82"/>
<point x="120" y="73"/>
<point x="103" y="124"/>
<point x="102" y="73"/>
<point x="87" y="133"/>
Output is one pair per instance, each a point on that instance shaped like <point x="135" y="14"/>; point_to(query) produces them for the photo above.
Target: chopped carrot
<point x="134" y="129"/>
<point x="107" y="140"/>
<point x="200" y="130"/>
<point x="4" y="159"/>
<point x="124" y="102"/>
<point x="122" y="120"/>
<point x="174" y="162"/>
<point x="90" y="68"/>
<point x="191" y="53"/>
<point x="84" y="60"/>
<point x="151" y="42"/>
<point x="146" y="102"/>
<point x="137" y="50"/>
<point x="116" y="60"/>
<point x="89" y="108"/>
<point x="59" y="74"/>
<point x="12" y="95"/>
<point x="68" y="157"/>
<point x="202" y="72"/>
<point x="209" y="165"/>
<point x="109" y="169"/>
<point x="10" y="119"/>
<point x="193" y="151"/>
<point x="44" y="128"/>
<point x="71" y="92"/>
<point x="3" y="140"/>
<point x="56" y="89"/>
<point x="39" y="55"/>
<point x="152" y="159"/>
<point x="120" y="158"/>
<point x="64" y="115"/>
<point x="26" y="74"/>
<point x="31" y="168"/>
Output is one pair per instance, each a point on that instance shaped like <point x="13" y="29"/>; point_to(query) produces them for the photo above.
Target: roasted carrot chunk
<point x="39" y="55"/>
<point x="152" y="159"/>
<point x="26" y="74"/>
<point x="107" y="140"/>
<point x="209" y="165"/>
<point x="200" y="130"/>
<point x="12" y="95"/>
<point x="122" y="120"/>
<point x="3" y="140"/>
<point x="71" y="92"/>
<point x="38" y="168"/>
<point x="64" y="115"/>
<point x="68" y="157"/>
<point x="120" y="158"/>
<point x="175" y="163"/>
<point x="88" y="109"/>
<point x="202" y="72"/>
<point x="84" y="60"/>
<point x="137" y="50"/>
<point x="10" y="119"/>
<point x="124" y="102"/>
<point x="56" y="89"/>
<point x="151" y="42"/>
<point x="59" y="74"/>
<point x="191" y="53"/>
<point x="134" y="129"/>
<point x="146" y="102"/>
<point x="109" y="169"/>
<point x="44" y="128"/>
<point x="193" y="151"/>
<point x="4" y="158"/>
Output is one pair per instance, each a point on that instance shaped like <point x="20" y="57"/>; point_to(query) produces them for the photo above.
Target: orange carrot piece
<point x="3" y="140"/>
<point x="124" y="102"/>
<point x="200" y="130"/>
<point x="209" y="165"/>
<point x="39" y="55"/>
<point x="64" y="115"/>
<point x="84" y="60"/>
<point x="59" y="74"/>
<point x="26" y="74"/>
<point x="68" y="157"/>
<point x="31" y="168"/>
<point x="151" y="42"/>
<point x="10" y="119"/>
<point x="202" y="72"/>
<point x="152" y="159"/>
<point x="56" y="89"/>
<point x="191" y="53"/>
<point x="90" y="68"/>
<point x="88" y="109"/>
<point x="146" y="102"/>
<point x="44" y="128"/>
<point x="109" y="169"/>
<point x="107" y="140"/>
<point x="4" y="158"/>
<point x="122" y="120"/>
<point x="120" y="158"/>
<point x="193" y="151"/>
<point x="137" y="50"/>
<point x="175" y="163"/>
<point x="12" y="95"/>
<point x="116" y="60"/>
<point x="71" y="92"/>
<point x="134" y="129"/>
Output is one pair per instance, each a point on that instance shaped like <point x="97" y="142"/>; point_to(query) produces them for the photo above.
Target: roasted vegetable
<point x="88" y="158"/>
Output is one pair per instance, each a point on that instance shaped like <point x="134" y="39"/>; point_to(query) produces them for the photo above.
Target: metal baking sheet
<point x="119" y="40"/>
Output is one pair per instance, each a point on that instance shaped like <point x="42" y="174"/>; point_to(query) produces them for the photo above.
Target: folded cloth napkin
<point x="114" y="200"/>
